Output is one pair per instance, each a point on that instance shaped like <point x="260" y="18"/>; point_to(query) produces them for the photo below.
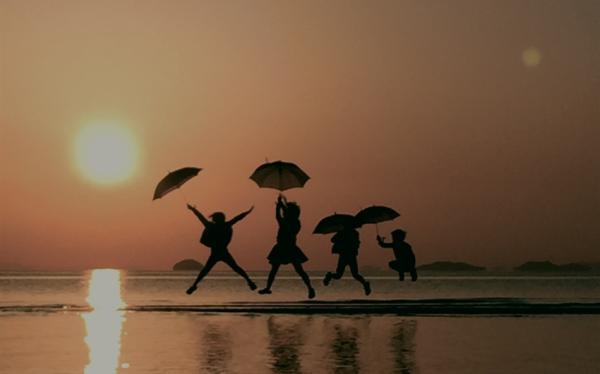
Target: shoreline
<point x="426" y="307"/>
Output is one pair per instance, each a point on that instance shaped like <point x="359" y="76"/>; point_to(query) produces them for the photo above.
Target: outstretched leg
<point x="238" y="269"/>
<point x="205" y="270"/>
<point x="339" y="271"/>
<point x="300" y="270"/>
<point x="353" y="263"/>
<point x="270" y="279"/>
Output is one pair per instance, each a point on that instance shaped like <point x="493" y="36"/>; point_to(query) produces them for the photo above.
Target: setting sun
<point x="106" y="153"/>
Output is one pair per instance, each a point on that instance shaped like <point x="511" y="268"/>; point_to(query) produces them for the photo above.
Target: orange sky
<point x="425" y="106"/>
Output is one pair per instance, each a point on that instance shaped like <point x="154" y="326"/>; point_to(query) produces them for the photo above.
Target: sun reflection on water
<point x="104" y="323"/>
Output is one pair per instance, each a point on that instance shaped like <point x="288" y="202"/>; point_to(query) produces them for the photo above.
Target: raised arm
<point x="383" y="244"/>
<point x="279" y="209"/>
<point x="336" y="237"/>
<point x="201" y="217"/>
<point x="240" y="216"/>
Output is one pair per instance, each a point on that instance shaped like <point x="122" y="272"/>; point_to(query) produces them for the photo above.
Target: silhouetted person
<point x="405" y="258"/>
<point x="286" y="251"/>
<point x="346" y="243"/>
<point x="217" y="235"/>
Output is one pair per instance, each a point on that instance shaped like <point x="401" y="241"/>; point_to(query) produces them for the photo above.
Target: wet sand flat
<point x="184" y="342"/>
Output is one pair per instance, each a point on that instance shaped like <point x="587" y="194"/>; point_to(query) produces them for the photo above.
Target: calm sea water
<point x="90" y="322"/>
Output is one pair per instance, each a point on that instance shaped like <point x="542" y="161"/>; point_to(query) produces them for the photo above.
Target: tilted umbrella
<point x="279" y="175"/>
<point x="174" y="180"/>
<point x="376" y="214"/>
<point x="335" y="223"/>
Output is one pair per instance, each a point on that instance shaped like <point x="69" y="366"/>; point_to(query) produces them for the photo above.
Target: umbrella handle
<point x="377" y="229"/>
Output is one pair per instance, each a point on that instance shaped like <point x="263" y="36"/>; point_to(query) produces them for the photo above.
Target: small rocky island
<point x="547" y="266"/>
<point x="449" y="266"/>
<point x="187" y="265"/>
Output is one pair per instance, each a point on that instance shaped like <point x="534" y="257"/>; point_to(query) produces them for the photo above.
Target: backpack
<point x="345" y="242"/>
<point x="216" y="235"/>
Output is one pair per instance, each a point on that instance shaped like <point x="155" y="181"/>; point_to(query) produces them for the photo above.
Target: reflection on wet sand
<point x="239" y="344"/>
<point x="342" y="345"/>
<point x="104" y="323"/>
<point x="403" y="347"/>
<point x="345" y="349"/>
<point x="286" y="337"/>
<point x="217" y="349"/>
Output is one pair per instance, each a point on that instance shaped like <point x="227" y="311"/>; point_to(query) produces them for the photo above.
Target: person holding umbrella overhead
<point x="346" y="242"/>
<point x="286" y="251"/>
<point x="281" y="175"/>
<point x="405" y="258"/>
<point x="217" y="235"/>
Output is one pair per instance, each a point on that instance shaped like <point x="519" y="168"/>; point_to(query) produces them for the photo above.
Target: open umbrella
<point x="279" y="175"/>
<point x="334" y="223"/>
<point x="174" y="180"/>
<point x="376" y="214"/>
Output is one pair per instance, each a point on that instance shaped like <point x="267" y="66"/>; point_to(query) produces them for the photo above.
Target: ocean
<point x="110" y="321"/>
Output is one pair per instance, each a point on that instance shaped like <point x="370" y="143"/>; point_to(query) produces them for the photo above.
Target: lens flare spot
<point x="531" y="57"/>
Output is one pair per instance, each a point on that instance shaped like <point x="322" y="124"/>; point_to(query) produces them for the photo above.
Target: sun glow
<point x="106" y="153"/>
<point x="104" y="323"/>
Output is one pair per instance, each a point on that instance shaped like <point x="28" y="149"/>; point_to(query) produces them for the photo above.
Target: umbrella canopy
<point x="335" y="223"/>
<point x="174" y="180"/>
<point x="279" y="175"/>
<point x="376" y="214"/>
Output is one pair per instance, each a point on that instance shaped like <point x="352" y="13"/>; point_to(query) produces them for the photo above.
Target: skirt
<point x="286" y="254"/>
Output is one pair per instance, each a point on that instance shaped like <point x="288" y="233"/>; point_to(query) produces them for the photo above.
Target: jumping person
<point x="346" y="243"/>
<point x="217" y="235"/>
<point x="405" y="257"/>
<point x="286" y="251"/>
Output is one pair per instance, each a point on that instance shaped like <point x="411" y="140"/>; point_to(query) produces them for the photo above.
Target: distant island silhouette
<point x="449" y="266"/>
<point x="529" y="267"/>
<point x="547" y="266"/>
<point x="188" y="264"/>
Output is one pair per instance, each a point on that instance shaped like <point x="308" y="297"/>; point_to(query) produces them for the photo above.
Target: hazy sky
<point x="479" y="121"/>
